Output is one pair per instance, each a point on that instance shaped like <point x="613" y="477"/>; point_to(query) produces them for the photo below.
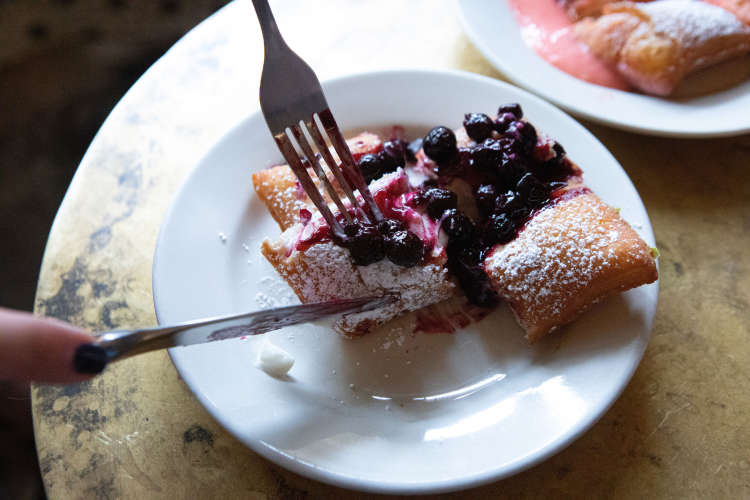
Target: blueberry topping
<point x="390" y="226"/>
<point x="464" y="264"/>
<point x="559" y="150"/>
<point x="488" y="155"/>
<point x="439" y="200"/>
<point x="351" y="229"/>
<point x="510" y="143"/>
<point x="512" y="108"/>
<point x="395" y="149"/>
<point x="509" y="201"/>
<point x="554" y="186"/>
<point x="525" y="133"/>
<point x="364" y="243"/>
<point x="503" y="121"/>
<point x="371" y="167"/>
<point x="404" y="248"/>
<point x="500" y="228"/>
<point x="486" y="197"/>
<point x="511" y="170"/>
<point x="465" y="159"/>
<point x="532" y="189"/>
<point x="388" y="163"/>
<point x="457" y="226"/>
<point x="412" y="149"/>
<point x="428" y="183"/>
<point x="440" y="144"/>
<point x="514" y="176"/>
<point x="478" y="126"/>
<point x="520" y="215"/>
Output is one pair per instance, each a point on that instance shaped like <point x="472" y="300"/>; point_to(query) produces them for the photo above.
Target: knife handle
<point x="120" y="344"/>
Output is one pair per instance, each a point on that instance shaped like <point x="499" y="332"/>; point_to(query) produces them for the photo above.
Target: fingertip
<point x="89" y="359"/>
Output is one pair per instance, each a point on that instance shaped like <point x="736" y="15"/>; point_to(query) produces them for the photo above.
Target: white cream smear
<point x="274" y="360"/>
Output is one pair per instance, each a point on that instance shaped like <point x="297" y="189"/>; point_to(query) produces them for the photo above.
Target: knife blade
<point x="114" y="345"/>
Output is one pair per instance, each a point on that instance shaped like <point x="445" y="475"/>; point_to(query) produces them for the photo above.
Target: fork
<point x="298" y="116"/>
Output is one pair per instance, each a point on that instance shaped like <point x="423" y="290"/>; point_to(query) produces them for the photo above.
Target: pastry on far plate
<point x="578" y="9"/>
<point x="740" y="8"/>
<point x="492" y="211"/>
<point x="655" y="45"/>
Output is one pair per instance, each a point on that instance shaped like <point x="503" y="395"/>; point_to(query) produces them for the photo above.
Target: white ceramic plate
<point x="392" y="412"/>
<point x="492" y="27"/>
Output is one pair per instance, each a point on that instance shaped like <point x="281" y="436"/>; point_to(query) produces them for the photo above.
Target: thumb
<point x="34" y="349"/>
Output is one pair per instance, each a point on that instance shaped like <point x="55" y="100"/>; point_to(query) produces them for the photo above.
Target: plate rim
<point x="310" y="470"/>
<point x="530" y="85"/>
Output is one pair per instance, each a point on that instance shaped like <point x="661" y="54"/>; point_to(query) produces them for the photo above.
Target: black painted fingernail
<point x="90" y="358"/>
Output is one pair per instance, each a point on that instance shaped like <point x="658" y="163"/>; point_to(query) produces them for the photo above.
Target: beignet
<point x="546" y="245"/>
<point x="655" y="45"/>
<point x="566" y="258"/>
<point x="578" y="9"/>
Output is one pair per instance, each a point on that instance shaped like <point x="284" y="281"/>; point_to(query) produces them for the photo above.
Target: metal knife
<point x="119" y="344"/>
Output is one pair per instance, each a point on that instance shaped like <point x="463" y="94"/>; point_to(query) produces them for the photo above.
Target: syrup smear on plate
<point x="546" y="28"/>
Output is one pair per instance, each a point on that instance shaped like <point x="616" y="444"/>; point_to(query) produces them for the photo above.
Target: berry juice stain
<point x="546" y="28"/>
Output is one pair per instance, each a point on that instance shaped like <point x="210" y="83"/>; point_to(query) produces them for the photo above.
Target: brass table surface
<point x="680" y="429"/>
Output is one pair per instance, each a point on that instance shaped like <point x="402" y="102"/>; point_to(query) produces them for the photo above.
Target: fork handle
<point x="272" y="39"/>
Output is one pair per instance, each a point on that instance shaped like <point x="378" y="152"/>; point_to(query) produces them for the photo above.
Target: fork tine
<point x="290" y="154"/>
<point x="313" y="160"/>
<point x="347" y="162"/>
<point x="320" y="142"/>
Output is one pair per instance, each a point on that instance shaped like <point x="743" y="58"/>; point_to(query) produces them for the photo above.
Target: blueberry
<point x="404" y="248"/>
<point x="485" y="196"/>
<point x="457" y="226"/>
<point x="471" y="277"/>
<point x="510" y="170"/>
<point x="510" y="144"/>
<point x="371" y="167"/>
<point x="364" y="243"/>
<point x="535" y="192"/>
<point x="555" y="185"/>
<point x="512" y="108"/>
<point x="503" y="121"/>
<point x="387" y="163"/>
<point x="525" y="133"/>
<point x="488" y="155"/>
<point x="440" y="144"/>
<point x="412" y="149"/>
<point x="395" y="149"/>
<point x="465" y="159"/>
<point x="520" y="215"/>
<point x="428" y="183"/>
<point x="439" y="200"/>
<point x="559" y="150"/>
<point x="508" y="202"/>
<point x="500" y="228"/>
<point x="478" y="126"/>
<point x="389" y="226"/>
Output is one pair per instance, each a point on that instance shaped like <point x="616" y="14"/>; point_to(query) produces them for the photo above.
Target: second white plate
<point x="394" y="411"/>
<point x="492" y="26"/>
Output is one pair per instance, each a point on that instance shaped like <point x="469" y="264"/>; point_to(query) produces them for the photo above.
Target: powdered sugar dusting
<point x="691" y="21"/>
<point x="276" y="293"/>
<point x="560" y="255"/>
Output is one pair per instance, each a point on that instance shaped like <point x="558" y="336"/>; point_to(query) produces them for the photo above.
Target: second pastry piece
<point x="655" y="45"/>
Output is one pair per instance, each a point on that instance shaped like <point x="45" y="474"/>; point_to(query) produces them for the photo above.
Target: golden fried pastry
<point x="740" y="8"/>
<point x="526" y="230"/>
<point x="655" y="45"/>
<point x="568" y="257"/>
<point x="578" y="9"/>
<point x="319" y="270"/>
<point x="278" y="189"/>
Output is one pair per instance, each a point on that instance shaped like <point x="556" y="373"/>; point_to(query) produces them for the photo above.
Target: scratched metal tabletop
<point x="679" y="429"/>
